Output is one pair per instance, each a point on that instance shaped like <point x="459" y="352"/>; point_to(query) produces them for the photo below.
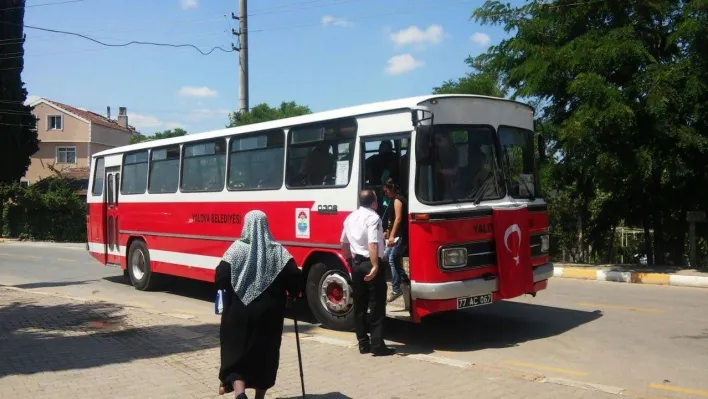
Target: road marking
<point x="674" y="388"/>
<point x="445" y="361"/>
<point x="634" y="308"/>
<point x="545" y="368"/>
<point x="584" y="385"/>
<point x="66" y="260"/>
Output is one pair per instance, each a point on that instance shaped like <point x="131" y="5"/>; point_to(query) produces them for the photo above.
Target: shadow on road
<point x="50" y="284"/>
<point x="37" y="338"/>
<point x="503" y="325"/>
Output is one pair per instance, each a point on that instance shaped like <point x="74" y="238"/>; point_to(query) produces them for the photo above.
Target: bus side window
<point x="164" y="170"/>
<point x="204" y="165"/>
<point x="318" y="153"/>
<point x="98" y="175"/>
<point x="135" y="171"/>
<point x="256" y="161"/>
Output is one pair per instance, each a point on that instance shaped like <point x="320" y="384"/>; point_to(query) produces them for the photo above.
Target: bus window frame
<point x="256" y="134"/>
<point x="179" y="167"/>
<point x="354" y="121"/>
<point x="183" y="147"/>
<point x="122" y="169"/>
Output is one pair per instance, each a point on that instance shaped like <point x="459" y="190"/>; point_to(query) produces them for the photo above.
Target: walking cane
<point x="299" y="354"/>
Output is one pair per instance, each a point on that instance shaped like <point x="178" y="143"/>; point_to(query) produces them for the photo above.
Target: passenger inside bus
<point x="319" y="165"/>
<point x="383" y="165"/>
<point x="447" y="165"/>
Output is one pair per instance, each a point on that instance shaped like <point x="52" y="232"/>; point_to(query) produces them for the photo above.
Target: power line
<point x="128" y="43"/>
<point x="41" y="5"/>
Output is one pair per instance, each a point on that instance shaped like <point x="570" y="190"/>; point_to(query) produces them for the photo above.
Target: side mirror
<point x="423" y="143"/>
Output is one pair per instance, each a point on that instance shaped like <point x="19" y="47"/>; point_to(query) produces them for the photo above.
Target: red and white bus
<point x="467" y="164"/>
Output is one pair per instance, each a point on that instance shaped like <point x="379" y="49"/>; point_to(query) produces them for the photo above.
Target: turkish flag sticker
<point x="511" y="236"/>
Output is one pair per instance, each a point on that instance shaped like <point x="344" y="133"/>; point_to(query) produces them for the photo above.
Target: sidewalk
<point x="634" y="274"/>
<point x="60" y="347"/>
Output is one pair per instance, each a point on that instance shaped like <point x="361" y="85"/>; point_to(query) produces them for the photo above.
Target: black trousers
<point x="369" y="293"/>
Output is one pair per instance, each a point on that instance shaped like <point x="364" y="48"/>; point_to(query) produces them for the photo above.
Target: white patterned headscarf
<point x="256" y="259"/>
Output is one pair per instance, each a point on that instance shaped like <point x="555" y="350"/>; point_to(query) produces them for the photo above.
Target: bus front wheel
<point x="141" y="274"/>
<point x="329" y="295"/>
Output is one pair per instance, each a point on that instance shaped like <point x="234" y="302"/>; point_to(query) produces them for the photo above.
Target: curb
<point x="678" y="280"/>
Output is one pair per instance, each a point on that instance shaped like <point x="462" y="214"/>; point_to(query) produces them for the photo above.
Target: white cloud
<point x="187" y="4"/>
<point x="201" y="114"/>
<point x="399" y="64"/>
<point x="149" y="122"/>
<point x="413" y="35"/>
<point x="480" y="38"/>
<point x="193" y="91"/>
<point x="328" y="20"/>
<point x="31" y="99"/>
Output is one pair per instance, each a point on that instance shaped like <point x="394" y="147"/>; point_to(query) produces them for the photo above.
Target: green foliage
<point x="52" y="212"/>
<point x="481" y="83"/>
<point x="622" y="88"/>
<point x="264" y="113"/>
<point x="139" y="138"/>
<point x="18" y="135"/>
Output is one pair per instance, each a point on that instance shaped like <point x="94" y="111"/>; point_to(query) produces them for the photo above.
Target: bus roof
<point x="359" y="110"/>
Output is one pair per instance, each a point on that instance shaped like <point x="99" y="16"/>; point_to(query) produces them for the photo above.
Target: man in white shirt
<point x="363" y="246"/>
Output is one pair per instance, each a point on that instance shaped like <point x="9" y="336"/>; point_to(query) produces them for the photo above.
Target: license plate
<point x="472" y="301"/>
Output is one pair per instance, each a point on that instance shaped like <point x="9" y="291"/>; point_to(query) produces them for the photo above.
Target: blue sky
<point x="322" y="53"/>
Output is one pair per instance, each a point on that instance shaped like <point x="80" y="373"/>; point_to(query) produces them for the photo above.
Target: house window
<point x="66" y="155"/>
<point x="55" y="122"/>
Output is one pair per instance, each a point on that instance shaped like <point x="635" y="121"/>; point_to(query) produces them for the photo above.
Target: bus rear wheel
<point x="141" y="275"/>
<point x="330" y="297"/>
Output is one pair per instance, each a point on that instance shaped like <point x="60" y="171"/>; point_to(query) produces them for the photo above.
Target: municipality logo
<point x="302" y="222"/>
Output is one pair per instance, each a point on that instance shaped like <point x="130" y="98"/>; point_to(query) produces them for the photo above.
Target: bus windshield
<point x="463" y="166"/>
<point x="519" y="158"/>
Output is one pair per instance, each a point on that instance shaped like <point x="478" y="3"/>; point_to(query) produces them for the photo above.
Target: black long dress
<point x="251" y="335"/>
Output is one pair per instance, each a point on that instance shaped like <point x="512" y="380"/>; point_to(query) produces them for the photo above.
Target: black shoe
<point x="384" y="351"/>
<point x="242" y="396"/>
<point x="364" y="348"/>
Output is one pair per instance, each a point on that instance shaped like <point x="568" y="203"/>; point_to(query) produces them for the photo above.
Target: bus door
<point x="110" y="228"/>
<point x="384" y="157"/>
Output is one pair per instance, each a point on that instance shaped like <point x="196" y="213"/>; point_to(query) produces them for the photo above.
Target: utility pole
<point x="243" y="54"/>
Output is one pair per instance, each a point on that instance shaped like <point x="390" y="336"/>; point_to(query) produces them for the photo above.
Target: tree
<point x="18" y="133"/>
<point x="484" y="83"/>
<point x="625" y="84"/>
<point x="264" y="113"/>
<point x="139" y="138"/>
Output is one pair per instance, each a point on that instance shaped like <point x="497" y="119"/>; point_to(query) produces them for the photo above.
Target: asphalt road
<point x="648" y="339"/>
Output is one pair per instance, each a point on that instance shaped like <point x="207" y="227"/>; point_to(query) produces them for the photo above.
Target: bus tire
<point x="141" y="275"/>
<point x="329" y="295"/>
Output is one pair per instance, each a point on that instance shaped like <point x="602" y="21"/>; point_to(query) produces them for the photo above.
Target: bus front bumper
<point x="471" y="287"/>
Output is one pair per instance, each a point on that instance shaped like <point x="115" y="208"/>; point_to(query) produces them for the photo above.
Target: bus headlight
<point x="545" y="243"/>
<point x="454" y="257"/>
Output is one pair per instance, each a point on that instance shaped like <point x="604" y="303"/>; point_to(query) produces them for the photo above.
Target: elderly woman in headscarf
<point x="256" y="272"/>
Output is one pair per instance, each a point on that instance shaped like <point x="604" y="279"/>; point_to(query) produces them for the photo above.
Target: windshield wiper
<point x="532" y="195"/>
<point x="482" y="188"/>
